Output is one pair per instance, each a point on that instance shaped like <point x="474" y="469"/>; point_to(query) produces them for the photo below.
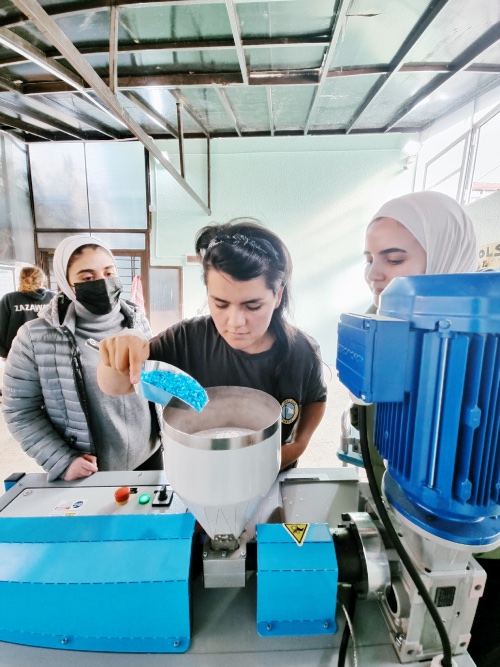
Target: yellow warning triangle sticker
<point x="298" y="531"/>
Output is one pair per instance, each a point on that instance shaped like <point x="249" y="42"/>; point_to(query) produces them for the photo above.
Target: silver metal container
<point x="222" y="461"/>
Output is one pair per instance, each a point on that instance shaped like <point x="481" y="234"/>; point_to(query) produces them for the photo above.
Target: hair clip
<point x="242" y="241"/>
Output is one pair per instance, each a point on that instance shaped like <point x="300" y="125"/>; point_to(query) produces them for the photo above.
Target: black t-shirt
<point x="196" y="347"/>
<point x="17" y="308"/>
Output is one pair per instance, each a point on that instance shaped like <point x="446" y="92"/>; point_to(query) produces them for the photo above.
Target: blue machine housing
<point x="97" y="583"/>
<point x="296" y="581"/>
<point x="431" y="361"/>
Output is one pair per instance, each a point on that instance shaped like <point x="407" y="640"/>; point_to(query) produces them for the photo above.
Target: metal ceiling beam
<point x="181" y="137"/>
<point x="179" y="97"/>
<point x="58" y="38"/>
<point x="204" y="80"/>
<point x="397" y="62"/>
<point x="282" y="78"/>
<point x="296" y="133"/>
<point x="7" y="84"/>
<point x="41" y="118"/>
<point x="77" y="115"/>
<point x="262" y="78"/>
<point x="26" y="49"/>
<point x="113" y="48"/>
<point x="24" y="127"/>
<point x="337" y="28"/>
<point x="86" y="97"/>
<point x="184" y="45"/>
<point x="184" y="80"/>
<point x="234" y="21"/>
<point x="411" y="68"/>
<point x="225" y="103"/>
<point x="460" y="64"/>
<point x="177" y="80"/>
<point x="270" y="109"/>
<point x="319" y="133"/>
<point x="150" y="113"/>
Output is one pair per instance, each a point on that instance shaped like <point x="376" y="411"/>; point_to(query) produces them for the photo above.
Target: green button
<point x="144" y="499"/>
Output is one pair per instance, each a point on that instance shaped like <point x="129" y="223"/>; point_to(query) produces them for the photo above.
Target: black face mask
<point x="99" y="297"/>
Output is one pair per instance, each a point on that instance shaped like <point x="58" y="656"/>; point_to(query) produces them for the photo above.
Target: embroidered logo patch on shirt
<point x="289" y="411"/>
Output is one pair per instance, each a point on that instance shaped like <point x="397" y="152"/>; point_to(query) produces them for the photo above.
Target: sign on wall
<point x="489" y="256"/>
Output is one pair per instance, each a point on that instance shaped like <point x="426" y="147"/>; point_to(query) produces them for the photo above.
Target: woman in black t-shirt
<point x="246" y="340"/>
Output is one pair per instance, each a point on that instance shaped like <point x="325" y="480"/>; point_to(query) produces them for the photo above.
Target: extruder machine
<point x="223" y="558"/>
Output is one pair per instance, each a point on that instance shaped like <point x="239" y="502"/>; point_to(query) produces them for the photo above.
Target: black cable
<point x="447" y="660"/>
<point x="347" y="629"/>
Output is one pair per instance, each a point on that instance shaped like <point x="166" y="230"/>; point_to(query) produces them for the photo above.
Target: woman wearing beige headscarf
<point x="415" y="234"/>
<point x="430" y="233"/>
<point x="420" y="233"/>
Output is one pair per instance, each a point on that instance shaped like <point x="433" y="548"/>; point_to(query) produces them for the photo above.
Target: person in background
<point x="430" y="233"/>
<point x="52" y="404"/>
<point x="19" y="307"/>
<point x="246" y="341"/>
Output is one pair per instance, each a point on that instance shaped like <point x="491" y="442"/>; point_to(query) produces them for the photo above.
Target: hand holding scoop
<point x="160" y="381"/>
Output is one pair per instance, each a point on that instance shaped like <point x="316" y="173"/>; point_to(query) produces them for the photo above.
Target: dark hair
<point x="79" y="251"/>
<point x="245" y="249"/>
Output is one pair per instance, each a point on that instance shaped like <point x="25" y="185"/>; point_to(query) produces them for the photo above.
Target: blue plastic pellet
<point x="182" y="386"/>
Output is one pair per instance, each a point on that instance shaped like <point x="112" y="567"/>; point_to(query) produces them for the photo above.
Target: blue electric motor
<point x="430" y="360"/>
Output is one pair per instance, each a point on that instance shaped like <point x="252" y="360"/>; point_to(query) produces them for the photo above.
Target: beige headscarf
<point x="440" y="225"/>
<point x="62" y="256"/>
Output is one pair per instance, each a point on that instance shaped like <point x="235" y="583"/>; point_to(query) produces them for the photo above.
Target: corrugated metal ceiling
<point x="241" y="67"/>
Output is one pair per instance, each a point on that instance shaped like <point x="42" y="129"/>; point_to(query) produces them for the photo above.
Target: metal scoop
<point x="156" y="373"/>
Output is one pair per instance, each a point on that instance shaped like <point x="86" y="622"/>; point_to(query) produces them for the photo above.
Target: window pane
<point x="164" y="297"/>
<point x="487" y="168"/>
<point x="117" y="185"/>
<point x="449" y="186"/>
<point x="122" y="241"/>
<point x="444" y="167"/>
<point x="50" y="240"/>
<point x="59" y="187"/>
<point x="16" y="199"/>
<point x="128" y="266"/>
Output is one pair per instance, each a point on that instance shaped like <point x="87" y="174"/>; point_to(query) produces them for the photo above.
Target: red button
<point x="122" y="495"/>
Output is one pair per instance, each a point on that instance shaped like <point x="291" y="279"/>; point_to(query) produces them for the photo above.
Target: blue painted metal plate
<point x="366" y="344"/>
<point x="102" y="592"/>
<point x="296" y="580"/>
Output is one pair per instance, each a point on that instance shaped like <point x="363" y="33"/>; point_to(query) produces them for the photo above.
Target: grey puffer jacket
<point x="44" y="400"/>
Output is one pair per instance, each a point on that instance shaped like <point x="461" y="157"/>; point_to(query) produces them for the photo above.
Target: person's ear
<point x="279" y="296"/>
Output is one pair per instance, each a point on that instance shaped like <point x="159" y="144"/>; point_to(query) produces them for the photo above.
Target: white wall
<point x="485" y="215"/>
<point x="318" y="193"/>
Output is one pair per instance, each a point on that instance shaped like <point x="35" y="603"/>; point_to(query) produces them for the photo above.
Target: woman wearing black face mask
<point x="52" y="403"/>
